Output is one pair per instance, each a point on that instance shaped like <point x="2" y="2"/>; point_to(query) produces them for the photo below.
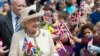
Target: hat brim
<point x="38" y="14"/>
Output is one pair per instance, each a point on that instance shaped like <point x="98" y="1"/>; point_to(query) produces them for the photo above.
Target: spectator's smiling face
<point x="18" y="5"/>
<point x="98" y="6"/>
<point x="87" y="32"/>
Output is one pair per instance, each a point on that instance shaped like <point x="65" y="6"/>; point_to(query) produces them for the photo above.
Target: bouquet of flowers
<point x="36" y="52"/>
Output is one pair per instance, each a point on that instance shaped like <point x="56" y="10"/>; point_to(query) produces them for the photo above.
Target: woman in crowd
<point x="6" y="8"/>
<point x="32" y="41"/>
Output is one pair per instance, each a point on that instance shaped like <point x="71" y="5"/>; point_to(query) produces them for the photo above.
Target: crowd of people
<point x="50" y="28"/>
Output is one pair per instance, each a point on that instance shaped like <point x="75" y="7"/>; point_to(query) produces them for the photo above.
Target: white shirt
<point x="13" y="20"/>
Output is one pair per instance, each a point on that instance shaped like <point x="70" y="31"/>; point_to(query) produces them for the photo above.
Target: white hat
<point x="29" y="13"/>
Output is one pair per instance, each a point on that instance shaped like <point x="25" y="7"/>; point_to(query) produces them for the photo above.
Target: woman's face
<point x="87" y="32"/>
<point x="6" y="7"/>
<point x="32" y="25"/>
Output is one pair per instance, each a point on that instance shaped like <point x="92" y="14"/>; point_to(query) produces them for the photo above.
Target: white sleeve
<point x="53" y="50"/>
<point x="95" y="48"/>
<point x="14" y="46"/>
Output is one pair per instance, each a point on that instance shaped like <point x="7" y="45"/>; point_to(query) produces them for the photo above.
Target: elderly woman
<point x="32" y="41"/>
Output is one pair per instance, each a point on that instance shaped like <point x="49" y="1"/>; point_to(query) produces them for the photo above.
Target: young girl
<point x="87" y="31"/>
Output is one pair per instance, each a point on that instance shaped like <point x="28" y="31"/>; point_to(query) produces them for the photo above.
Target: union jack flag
<point x="60" y="30"/>
<point x="74" y="17"/>
<point x="24" y="48"/>
<point x="48" y="19"/>
<point x="28" y="47"/>
<point x="33" y="52"/>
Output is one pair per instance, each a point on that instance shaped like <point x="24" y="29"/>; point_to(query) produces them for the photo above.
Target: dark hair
<point x="7" y="2"/>
<point x="29" y="2"/>
<point x="64" y="15"/>
<point x="46" y="8"/>
<point x="96" y="1"/>
<point x="89" y="26"/>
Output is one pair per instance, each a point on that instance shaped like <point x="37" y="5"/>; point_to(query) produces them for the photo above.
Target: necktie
<point x="17" y="25"/>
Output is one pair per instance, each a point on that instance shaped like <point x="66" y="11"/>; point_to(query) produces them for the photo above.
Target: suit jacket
<point x="6" y="29"/>
<point x="44" y="42"/>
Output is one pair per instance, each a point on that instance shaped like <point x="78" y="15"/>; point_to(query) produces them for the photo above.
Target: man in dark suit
<point x="2" y="49"/>
<point x="8" y="23"/>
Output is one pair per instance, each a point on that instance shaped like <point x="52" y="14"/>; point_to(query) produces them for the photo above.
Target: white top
<point x="13" y="20"/>
<point x="44" y="42"/>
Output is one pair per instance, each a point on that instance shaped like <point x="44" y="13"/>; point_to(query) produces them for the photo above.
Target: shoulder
<point x="85" y="41"/>
<point x="94" y="13"/>
<point x="18" y="35"/>
<point x="45" y="31"/>
<point x="2" y="19"/>
<point x="19" y="32"/>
